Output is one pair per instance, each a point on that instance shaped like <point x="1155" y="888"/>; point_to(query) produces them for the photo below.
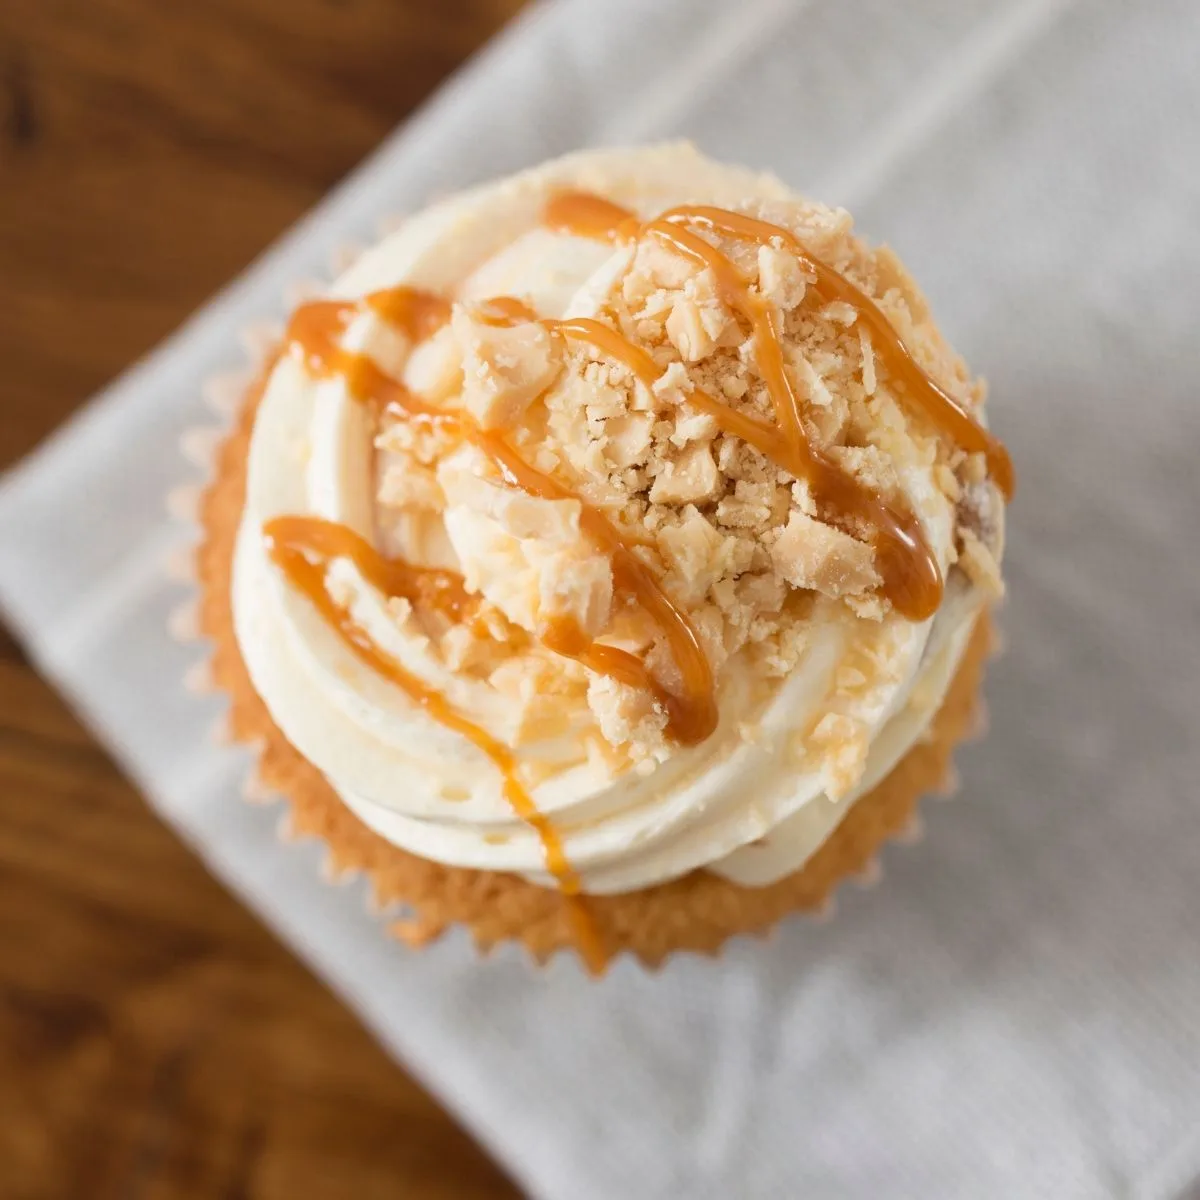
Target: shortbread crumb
<point x="742" y="546"/>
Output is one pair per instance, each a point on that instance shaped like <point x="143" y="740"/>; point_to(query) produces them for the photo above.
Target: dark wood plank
<point x="155" y="1042"/>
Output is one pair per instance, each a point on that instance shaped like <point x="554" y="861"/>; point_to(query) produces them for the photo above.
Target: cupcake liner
<point x="698" y="913"/>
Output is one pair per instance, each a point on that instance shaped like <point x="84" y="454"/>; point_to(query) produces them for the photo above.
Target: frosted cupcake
<point x="604" y="563"/>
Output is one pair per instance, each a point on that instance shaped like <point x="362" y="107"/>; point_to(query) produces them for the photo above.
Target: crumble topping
<point x="738" y="543"/>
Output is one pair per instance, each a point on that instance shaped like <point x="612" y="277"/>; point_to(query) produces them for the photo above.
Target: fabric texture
<point x="1016" y="1011"/>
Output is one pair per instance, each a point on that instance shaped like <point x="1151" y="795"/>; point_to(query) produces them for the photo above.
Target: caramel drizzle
<point x="302" y="547"/>
<point x="909" y="570"/>
<point x="587" y="215"/>
<point x="918" y="387"/>
<point x="911" y="578"/>
<point x="417" y="313"/>
<point x="316" y="330"/>
<point x="691" y="715"/>
<point x="424" y="587"/>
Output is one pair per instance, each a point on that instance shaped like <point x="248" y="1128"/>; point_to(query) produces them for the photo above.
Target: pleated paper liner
<point x="697" y="913"/>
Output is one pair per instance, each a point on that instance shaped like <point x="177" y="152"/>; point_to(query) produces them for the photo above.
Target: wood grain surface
<point x="155" y="1042"/>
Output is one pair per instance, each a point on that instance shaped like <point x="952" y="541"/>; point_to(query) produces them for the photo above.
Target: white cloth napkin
<point x="1016" y="1012"/>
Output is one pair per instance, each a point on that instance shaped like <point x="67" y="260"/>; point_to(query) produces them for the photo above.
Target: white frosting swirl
<point x="753" y="801"/>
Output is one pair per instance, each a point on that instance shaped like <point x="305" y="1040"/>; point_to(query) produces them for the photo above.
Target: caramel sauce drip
<point x="417" y="313"/>
<point x="911" y="578"/>
<point x="910" y="573"/>
<point x="587" y="215"/>
<point x="692" y="712"/>
<point x="945" y="413"/>
<point x="504" y="310"/>
<point x="301" y="547"/>
<point x="424" y="587"/>
<point x="564" y="637"/>
<point x="316" y="330"/>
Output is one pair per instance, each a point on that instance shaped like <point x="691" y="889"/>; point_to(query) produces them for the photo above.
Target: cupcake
<point x="604" y="561"/>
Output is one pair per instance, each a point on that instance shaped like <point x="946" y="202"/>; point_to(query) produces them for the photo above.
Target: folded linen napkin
<point x="1018" y="1012"/>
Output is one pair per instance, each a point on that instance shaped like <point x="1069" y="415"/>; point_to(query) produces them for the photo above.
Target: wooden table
<point x="155" y="1042"/>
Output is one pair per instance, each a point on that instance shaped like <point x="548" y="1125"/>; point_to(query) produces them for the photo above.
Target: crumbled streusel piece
<point x="434" y="369"/>
<point x="780" y="277"/>
<point x="779" y="649"/>
<point x="841" y="743"/>
<point x="688" y="332"/>
<point x="628" y="440"/>
<point x="869" y="378"/>
<point x="404" y="482"/>
<point x="627" y="716"/>
<point x="504" y="367"/>
<point x="688" y="477"/>
<point x="425" y="442"/>
<point x="462" y="649"/>
<point x="810" y="554"/>
<point x="695" y="553"/>
<point x="979" y="563"/>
